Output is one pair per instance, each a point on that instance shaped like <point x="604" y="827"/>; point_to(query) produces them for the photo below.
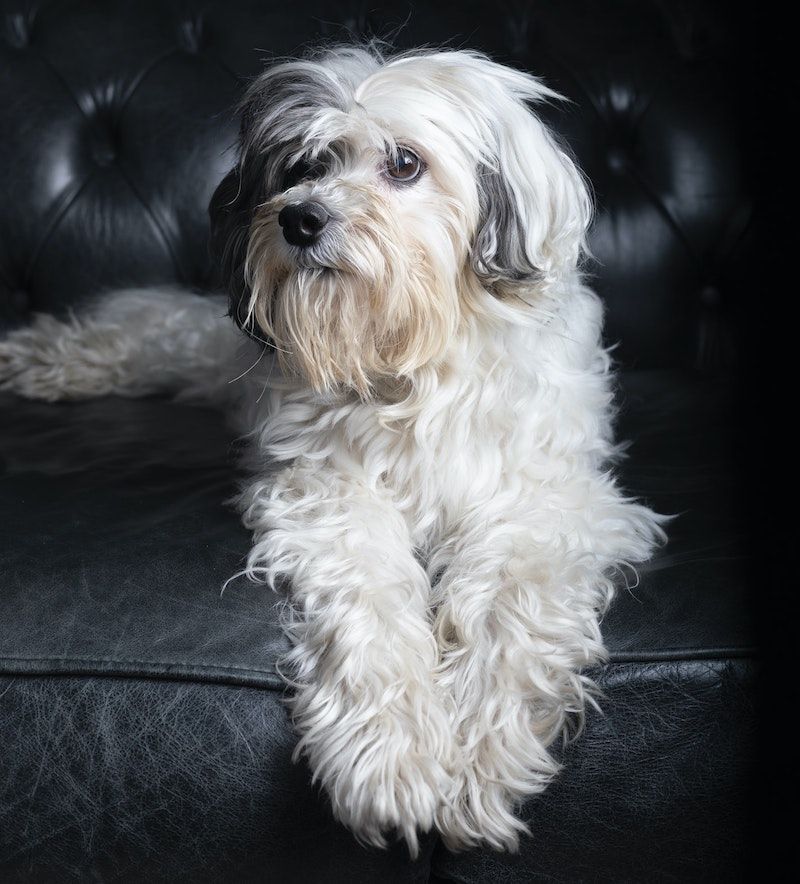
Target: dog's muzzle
<point x="303" y="223"/>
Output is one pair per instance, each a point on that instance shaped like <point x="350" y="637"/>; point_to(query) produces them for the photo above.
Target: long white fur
<point x="430" y="452"/>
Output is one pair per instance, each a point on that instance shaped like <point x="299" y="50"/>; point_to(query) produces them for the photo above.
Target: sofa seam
<point x="262" y="680"/>
<point x="134" y="662"/>
<point x="677" y="655"/>
<point x="669" y="655"/>
<point x="92" y="667"/>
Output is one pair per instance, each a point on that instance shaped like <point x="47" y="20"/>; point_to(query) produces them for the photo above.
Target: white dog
<point x="430" y="426"/>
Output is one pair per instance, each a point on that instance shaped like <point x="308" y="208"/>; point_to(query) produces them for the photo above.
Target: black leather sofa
<point x="142" y="731"/>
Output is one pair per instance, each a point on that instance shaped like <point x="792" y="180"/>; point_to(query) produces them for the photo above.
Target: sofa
<point x="143" y="727"/>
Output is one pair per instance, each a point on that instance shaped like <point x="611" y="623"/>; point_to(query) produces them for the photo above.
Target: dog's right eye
<point x="302" y="170"/>
<point x="404" y="166"/>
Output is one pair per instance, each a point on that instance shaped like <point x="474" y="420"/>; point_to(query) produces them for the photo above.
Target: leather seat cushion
<point x="119" y="539"/>
<point x="130" y="681"/>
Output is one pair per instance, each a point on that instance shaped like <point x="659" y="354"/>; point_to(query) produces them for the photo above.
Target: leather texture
<point x="144" y="735"/>
<point x="134" y="780"/>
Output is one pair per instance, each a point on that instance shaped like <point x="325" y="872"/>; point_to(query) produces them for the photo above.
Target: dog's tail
<point x="131" y="342"/>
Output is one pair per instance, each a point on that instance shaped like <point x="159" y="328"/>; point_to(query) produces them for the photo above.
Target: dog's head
<point x="379" y="203"/>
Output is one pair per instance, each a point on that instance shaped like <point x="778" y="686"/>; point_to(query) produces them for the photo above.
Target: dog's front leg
<point x="517" y="621"/>
<point x="370" y="724"/>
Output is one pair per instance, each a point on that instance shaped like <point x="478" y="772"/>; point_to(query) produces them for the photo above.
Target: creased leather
<point x="133" y="780"/>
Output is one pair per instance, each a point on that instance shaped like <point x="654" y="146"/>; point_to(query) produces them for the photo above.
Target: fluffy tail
<point x="130" y="343"/>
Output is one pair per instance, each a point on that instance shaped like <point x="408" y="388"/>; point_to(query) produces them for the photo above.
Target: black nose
<point x="302" y="223"/>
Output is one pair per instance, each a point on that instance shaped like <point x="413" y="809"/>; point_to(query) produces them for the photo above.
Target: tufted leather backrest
<point x="116" y="124"/>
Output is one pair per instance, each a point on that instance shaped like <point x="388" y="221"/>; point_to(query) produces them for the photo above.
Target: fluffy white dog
<point x="430" y="423"/>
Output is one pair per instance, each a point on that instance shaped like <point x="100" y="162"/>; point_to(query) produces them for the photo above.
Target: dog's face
<point x="378" y="205"/>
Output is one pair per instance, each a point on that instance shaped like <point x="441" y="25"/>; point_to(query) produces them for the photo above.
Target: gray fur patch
<point x="499" y="252"/>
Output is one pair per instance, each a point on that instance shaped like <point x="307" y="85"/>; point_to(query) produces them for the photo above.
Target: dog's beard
<point x="373" y="311"/>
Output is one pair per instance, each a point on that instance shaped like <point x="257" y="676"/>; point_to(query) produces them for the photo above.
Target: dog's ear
<point x="534" y="203"/>
<point x="230" y="212"/>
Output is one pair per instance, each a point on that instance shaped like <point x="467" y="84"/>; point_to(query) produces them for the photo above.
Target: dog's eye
<point x="302" y="170"/>
<point x="404" y="165"/>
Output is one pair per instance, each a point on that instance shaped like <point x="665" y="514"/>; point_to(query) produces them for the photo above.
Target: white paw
<point x="480" y="812"/>
<point x="505" y="760"/>
<point x="385" y="769"/>
<point x="380" y="791"/>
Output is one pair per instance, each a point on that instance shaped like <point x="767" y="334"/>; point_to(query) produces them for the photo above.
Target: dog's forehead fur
<point x="437" y="100"/>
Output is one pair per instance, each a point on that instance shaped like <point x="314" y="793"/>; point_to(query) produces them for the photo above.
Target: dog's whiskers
<point x="248" y="370"/>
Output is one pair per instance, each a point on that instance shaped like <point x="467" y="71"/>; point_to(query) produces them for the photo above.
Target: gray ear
<point x="534" y="208"/>
<point x="499" y="251"/>
<point x="231" y="211"/>
<point x="228" y="237"/>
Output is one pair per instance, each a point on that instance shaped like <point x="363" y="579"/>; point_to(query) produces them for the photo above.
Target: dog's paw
<point x="387" y="790"/>
<point x="385" y="767"/>
<point x="503" y="763"/>
<point x="478" y="812"/>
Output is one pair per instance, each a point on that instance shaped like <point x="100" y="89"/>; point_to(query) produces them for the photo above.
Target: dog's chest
<point x="452" y="458"/>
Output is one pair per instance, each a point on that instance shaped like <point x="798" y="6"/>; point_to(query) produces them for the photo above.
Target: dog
<point x="428" y="407"/>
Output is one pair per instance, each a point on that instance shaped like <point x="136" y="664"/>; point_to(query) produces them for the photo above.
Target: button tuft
<point x="17" y="30"/>
<point x="617" y="158"/>
<point x="190" y="34"/>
